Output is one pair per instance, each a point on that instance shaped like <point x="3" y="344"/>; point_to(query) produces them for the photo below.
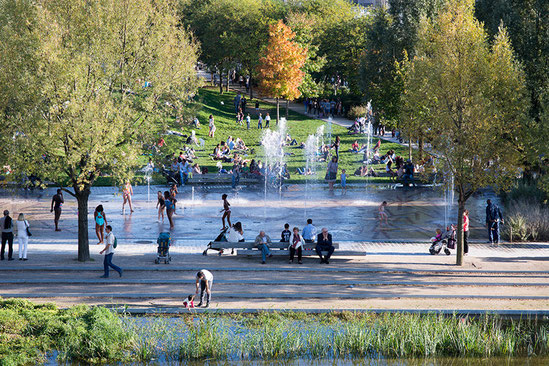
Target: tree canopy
<point x="469" y="99"/>
<point x="92" y="84"/>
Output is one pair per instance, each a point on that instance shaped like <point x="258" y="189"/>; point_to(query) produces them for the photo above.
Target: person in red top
<point x="189" y="302"/>
<point x="465" y="232"/>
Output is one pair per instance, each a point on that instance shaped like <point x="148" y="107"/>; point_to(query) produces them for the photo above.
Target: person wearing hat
<point x="6" y="223"/>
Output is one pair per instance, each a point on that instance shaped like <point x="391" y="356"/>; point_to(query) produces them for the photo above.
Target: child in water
<point x="226" y="211"/>
<point x="382" y="214"/>
<point x="343" y="181"/>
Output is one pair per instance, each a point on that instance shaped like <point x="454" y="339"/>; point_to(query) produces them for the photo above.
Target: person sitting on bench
<point x="261" y="242"/>
<point x="324" y="243"/>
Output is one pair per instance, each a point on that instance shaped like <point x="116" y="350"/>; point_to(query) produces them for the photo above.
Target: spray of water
<point x="272" y="142"/>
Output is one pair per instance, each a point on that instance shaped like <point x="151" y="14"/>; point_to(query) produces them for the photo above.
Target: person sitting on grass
<point x="196" y="169"/>
<point x="354" y="146"/>
<point x="262" y="241"/>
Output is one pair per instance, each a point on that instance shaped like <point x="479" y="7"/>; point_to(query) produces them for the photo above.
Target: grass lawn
<point x="299" y="127"/>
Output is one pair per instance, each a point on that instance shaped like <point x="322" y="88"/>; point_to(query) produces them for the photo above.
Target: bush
<point x="357" y="111"/>
<point x="527" y="220"/>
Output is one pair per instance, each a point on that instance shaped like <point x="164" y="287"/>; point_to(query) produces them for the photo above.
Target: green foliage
<point x="526" y="219"/>
<point x="467" y="98"/>
<point x="78" y="107"/>
<point x="29" y="332"/>
<point x="356" y="111"/>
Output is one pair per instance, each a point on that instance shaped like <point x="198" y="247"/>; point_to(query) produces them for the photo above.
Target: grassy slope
<point x="299" y="126"/>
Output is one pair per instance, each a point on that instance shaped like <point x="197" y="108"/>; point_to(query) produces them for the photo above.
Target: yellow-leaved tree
<point x="467" y="98"/>
<point x="279" y="70"/>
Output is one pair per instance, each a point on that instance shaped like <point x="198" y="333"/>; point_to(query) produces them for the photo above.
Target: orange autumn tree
<point x="279" y="71"/>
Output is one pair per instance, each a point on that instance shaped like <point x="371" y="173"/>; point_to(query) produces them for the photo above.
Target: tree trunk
<point x="287" y="107"/>
<point x="212" y="78"/>
<point x="277" y="110"/>
<point x="459" y="249"/>
<point x="250" y="84"/>
<point x="420" y="147"/>
<point x="228" y="79"/>
<point x="220" y="81"/>
<point x="410" y="148"/>
<point x="83" y="242"/>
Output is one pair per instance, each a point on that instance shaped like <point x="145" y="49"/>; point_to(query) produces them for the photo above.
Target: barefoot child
<point x="226" y="211"/>
<point x="343" y="181"/>
<point x="189" y="302"/>
<point x="382" y="214"/>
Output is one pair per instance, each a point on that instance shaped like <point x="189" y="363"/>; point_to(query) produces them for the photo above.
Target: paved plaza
<point x="396" y="270"/>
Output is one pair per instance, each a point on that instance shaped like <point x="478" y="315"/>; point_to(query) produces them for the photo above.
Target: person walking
<point x="212" y="127"/>
<point x="100" y="223"/>
<point x="262" y="241"/>
<point x="22" y="236"/>
<point x="465" y="232"/>
<point x="109" y="253"/>
<point x="56" y="202"/>
<point x="267" y="120"/>
<point x="204" y="281"/>
<point x="248" y="120"/>
<point x="324" y="243"/>
<point x="296" y="246"/>
<point x="331" y="173"/>
<point x="260" y="122"/>
<point x="493" y="220"/>
<point x="6" y="223"/>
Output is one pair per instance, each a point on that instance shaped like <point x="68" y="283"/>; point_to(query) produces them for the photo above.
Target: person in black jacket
<point x="493" y="219"/>
<point x="324" y="243"/>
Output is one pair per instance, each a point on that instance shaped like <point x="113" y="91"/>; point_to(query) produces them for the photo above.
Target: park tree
<point x="527" y="22"/>
<point x="377" y="70"/>
<point x="86" y="86"/>
<point x="467" y="97"/>
<point x="279" y="70"/>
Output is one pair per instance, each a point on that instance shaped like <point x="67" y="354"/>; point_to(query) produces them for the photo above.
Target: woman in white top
<point x="235" y="233"/>
<point x="296" y="245"/>
<point x="211" y="124"/>
<point x="22" y="236"/>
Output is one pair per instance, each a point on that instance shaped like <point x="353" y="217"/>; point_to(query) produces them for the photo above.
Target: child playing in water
<point x="226" y="211"/>
<point x="382" y="213"/>
<point x="343" y="181"/>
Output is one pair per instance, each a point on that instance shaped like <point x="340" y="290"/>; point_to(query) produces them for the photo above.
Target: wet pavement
<point x="414" y="214"/>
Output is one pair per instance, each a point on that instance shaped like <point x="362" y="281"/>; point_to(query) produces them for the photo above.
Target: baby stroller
<point x="220" y="237"/>
<point x="446" y="242"/>
<point x="163" y="252"/>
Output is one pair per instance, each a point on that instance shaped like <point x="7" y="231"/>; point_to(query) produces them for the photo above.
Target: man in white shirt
<point x="267" y="120"/>
<point x="109" y="252"/>
<point x="204" y="280"/>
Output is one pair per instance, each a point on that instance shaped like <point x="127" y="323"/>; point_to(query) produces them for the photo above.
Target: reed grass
<point x="28" y="333"/>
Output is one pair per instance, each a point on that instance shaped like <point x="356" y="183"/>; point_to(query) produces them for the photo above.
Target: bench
<point x="277" y="248"/>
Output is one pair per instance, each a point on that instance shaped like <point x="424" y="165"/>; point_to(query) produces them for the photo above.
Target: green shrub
<point x="526" y="220"/>
<point x="357" y="111"/>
